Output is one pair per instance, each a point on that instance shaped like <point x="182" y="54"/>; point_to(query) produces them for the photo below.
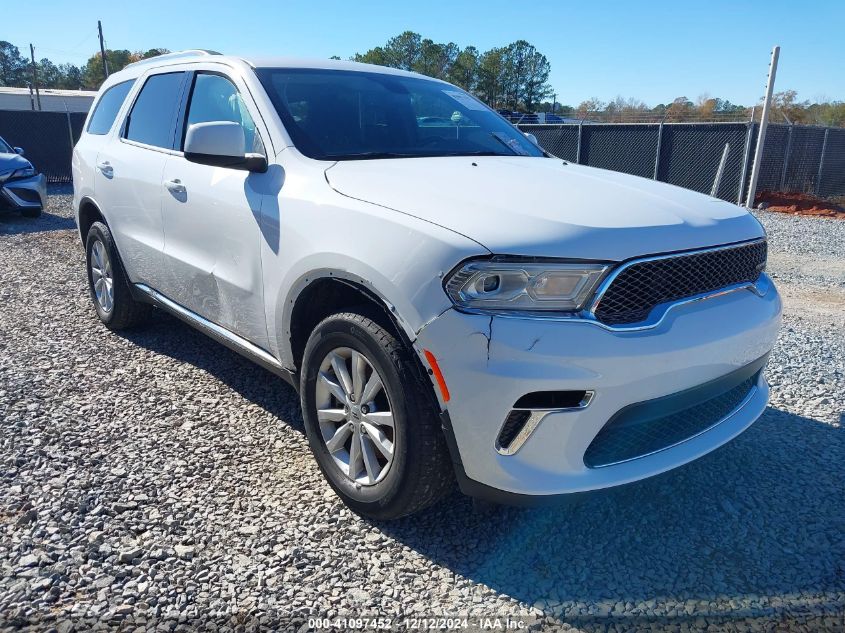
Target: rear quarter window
<point x="107" y="107"/>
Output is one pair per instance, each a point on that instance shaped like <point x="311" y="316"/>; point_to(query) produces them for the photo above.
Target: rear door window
<point x="152" y="120"/>
<point x="107" y="107"/>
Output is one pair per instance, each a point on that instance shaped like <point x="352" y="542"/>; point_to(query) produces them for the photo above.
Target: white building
<point x="52" y="100"/>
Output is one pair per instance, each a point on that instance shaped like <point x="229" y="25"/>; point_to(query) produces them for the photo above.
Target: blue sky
<point x="654" y="51"/>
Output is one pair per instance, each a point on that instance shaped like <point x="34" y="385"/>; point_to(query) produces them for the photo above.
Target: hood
<point x="544" y="207"/>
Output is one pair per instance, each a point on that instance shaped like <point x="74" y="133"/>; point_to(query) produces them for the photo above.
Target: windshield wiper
<point x="513" y="152"/>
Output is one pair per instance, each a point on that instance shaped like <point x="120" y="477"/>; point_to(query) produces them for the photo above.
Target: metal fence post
<point x="786" y="158"/>
<point x="761" y="135"/>
<point x="578" y="149"/>
<point x="659" y="144"/>
<point x="69" y="130"/>
<point x="720" y="170"/>
<point x="745" y="157"/>
<point x="821" y="160"/>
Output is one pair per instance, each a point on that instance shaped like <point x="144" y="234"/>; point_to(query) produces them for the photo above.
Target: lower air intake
<point x="514" y="423"/>
<point x="649" y="427"/>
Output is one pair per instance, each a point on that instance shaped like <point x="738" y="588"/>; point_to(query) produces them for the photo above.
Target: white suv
<point x="450" y="301"/>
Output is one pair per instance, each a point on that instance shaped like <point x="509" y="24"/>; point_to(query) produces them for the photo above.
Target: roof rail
<point x="193" y="52"/>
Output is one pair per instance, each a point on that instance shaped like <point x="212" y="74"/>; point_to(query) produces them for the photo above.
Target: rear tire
<point x="107" y="282"/>
<point x="402" y="462"/>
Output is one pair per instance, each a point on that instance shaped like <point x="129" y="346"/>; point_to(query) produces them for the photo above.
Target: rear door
<point x="211" y="217"/>
<point x="96" y="134"/>
<point x="128" y="175"/>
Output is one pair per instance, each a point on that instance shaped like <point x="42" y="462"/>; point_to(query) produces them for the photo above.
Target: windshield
<point x="5" y="148"/>
<point x="350" y="115"/>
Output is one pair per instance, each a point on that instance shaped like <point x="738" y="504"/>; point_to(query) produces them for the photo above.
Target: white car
<point x="451" y="302"/>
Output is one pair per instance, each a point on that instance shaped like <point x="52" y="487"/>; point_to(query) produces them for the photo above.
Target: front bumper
<point x="489" y="362"/>
<point x="25" y="193"/>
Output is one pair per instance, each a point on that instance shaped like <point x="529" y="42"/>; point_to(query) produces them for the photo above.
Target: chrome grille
<point x="641" y="286"/>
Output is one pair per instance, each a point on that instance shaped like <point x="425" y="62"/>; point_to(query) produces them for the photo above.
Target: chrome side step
<point x="219" y="334"/>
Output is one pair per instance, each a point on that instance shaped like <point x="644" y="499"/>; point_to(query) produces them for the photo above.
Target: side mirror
<point x="532" y="138"/>
<point x="18" y="150"/>
<point x="221" y="144"/>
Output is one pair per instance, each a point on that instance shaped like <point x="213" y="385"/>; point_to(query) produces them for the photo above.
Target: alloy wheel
<point x="101" y="276"/>
<point x="355" y="416"/>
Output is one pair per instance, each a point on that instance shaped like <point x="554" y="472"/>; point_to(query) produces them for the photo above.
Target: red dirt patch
<point x="800" y="204"/>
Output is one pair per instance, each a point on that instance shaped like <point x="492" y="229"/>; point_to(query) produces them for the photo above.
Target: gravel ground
<point x="156" y="479"/>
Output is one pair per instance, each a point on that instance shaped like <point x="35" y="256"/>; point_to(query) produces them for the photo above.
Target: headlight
<point x="528" y="287"/>
<point x="25" y="172"/>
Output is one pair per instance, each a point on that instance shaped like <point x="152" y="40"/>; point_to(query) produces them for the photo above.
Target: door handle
<point x="175" y="186"/>
<point x="106" y="169"/>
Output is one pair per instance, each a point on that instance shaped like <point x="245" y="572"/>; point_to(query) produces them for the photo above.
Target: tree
<point x="786" y="104"/>
<point x="526" y="75"/>
<point x="435" y="60"/>
<point x="403" y="51"/>
<point x="93" y="72"/>
<point x="622" y="109"/>
<point x="491" y="77"/>
<point x="70" y="77"/>
<point x="13" y="67"/>
<point x="153" y="52"/>
<point x="680" y="109"/>
<point x="376" y="56"/>
<point x="464" y="70"/>
<point x="588" y="107"/>
<point x="516" y="75"/>
<point x="49" y="75"/>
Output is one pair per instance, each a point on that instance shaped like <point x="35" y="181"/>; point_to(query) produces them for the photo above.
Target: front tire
<point x="369" y="421"/>
<point x="107" y="283"/>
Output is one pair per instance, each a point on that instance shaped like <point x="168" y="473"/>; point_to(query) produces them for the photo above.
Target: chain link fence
<point x="46" y="137"/>
<point x="712" y="158"/>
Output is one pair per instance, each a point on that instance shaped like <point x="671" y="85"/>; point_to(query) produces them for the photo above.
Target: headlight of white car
<point x="524" y="286"/>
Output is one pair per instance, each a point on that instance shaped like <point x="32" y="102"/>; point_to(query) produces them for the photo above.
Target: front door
<point x="211" y="221"/>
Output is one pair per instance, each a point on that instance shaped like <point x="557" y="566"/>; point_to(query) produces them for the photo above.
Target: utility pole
<point x="103" y="51"/>
<point x="35" y="75"/>
<point x="764" y="122"/>
<point x="554" y="103"/>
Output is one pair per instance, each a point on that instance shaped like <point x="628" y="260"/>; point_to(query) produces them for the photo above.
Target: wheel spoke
<point x="359" y="370"/>
<point x="370" y="460"/>
<point x="339" y="366"/>
<point x="380" y="418"/>
<point x="379" y="440"/>
<point x="372" y="388"/>
<point x="95" y="271"/>
<point x="339" y="438"/>
<point x="336" y="389"/>
<point x="355" y="455"/>
<point x="95" y="251"/>
<point x="331" y="415"/>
